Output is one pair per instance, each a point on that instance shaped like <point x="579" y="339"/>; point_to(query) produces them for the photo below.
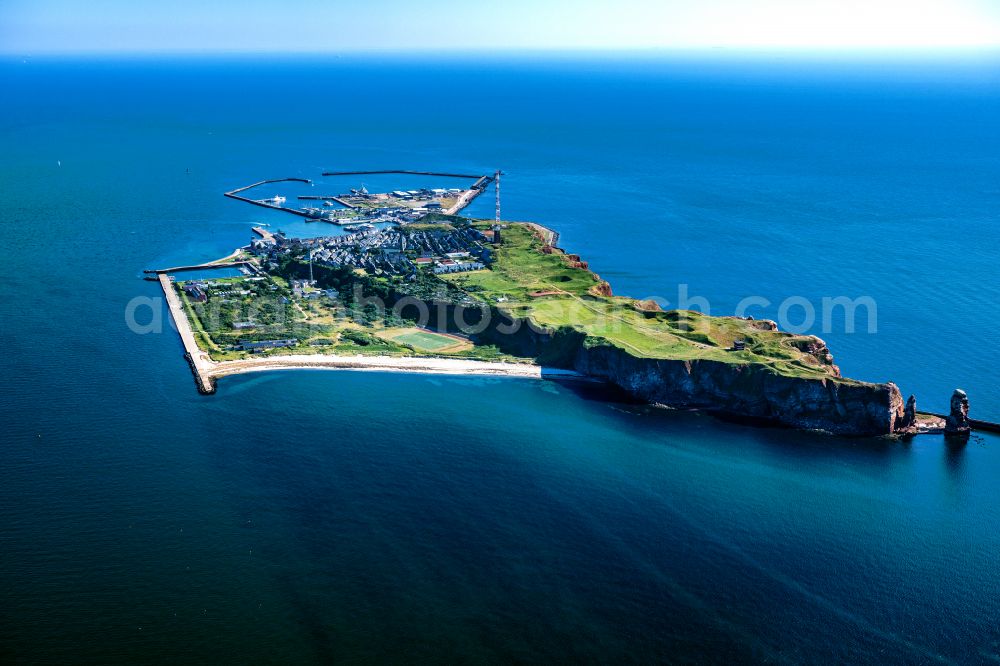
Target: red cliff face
<point x="750" y="391"/>
<point x="602" y="288"/>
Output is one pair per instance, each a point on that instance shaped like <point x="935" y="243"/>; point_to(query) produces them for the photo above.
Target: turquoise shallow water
<point x="318" y="516"/>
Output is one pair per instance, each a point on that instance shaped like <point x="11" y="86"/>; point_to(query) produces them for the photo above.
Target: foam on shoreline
<point x="415" y="364"/>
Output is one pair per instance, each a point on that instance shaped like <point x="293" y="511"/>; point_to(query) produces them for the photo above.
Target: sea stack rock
<point x="910" y="413"/>
<point x="956" y="426"/>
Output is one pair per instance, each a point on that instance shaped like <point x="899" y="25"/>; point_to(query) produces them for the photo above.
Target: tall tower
<point x="311" y="280"/>
<point x="496" y="177"/>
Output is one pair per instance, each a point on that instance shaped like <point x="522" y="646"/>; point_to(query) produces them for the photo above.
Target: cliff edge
<point x="752" y="391"/>
<point x="738" y="367"/>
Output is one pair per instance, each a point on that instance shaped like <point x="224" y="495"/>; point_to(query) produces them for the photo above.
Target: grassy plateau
<point x="529" y="279"/>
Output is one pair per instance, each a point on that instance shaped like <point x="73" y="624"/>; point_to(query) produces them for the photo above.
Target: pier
<point x="464" y="200"/>
<point x="986" y="426"/>
<point x="976" y="424"/>
<point x="235" y="194"/>
<point x="200" y="267"/>
<point x="263" y="233"/>
<point x="327" y="198"/>
<point x="406" y="172"/>
<point x="198" y="360"/>
<point x="265" y="182"/>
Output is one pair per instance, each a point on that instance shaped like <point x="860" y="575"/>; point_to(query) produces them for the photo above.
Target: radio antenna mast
<point x="496" y="177"/>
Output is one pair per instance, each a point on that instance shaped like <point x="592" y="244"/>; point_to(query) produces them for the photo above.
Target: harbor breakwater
<point x="195" y="357"/>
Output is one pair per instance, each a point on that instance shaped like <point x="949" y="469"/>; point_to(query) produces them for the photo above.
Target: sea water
<point x="315" y="516"/>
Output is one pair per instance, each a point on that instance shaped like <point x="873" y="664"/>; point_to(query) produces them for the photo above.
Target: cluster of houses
<point x="306" y="289"/>
<point x="391" y="214"/>
<point x="399" y="206"/>
<point x="397" y="215"/>
<point x="428" y="195"/>
<point x="198" y="291"/>
<point x="397" y="251"/>
<point x="262" y="345"/>
<point x="456" y="262"/>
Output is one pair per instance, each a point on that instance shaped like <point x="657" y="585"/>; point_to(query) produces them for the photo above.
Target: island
<point x="412" y="285"/>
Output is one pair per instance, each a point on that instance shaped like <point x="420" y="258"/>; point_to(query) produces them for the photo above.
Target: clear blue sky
<point x="73" y="26"/>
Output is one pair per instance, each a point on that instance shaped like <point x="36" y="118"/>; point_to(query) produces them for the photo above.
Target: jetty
<point x="311" y="197"/>
<point x="200" y="267"/>
<point x="975" y="424"/>
<point x="265" y="182"/>
<point x="464" y="201"/>
<point x="263" y="233"/>
<point x="197" y="360"/>
<point x="441" y="174"/>
<point x="235" y="194"/>
<point x="986" y="426"/>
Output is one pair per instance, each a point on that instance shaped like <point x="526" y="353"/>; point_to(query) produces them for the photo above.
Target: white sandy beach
<point x="443" y="366"/>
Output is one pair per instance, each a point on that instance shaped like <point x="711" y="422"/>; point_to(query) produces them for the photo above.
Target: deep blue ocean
<point x="317" y="517"/>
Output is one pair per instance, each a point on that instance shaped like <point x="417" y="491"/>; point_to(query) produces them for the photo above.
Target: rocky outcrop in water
<point x="956" y="424"/>
<point x="909" y="413"/>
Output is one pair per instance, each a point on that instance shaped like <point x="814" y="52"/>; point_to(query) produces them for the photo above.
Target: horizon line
<point x="824" y="51"/>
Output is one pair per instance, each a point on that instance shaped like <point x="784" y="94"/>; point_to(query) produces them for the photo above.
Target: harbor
<point x="360" y="206"/>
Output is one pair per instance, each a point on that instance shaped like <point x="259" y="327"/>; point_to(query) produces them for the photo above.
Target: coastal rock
<point x="909" y="413"/>
<point x="750" y="391"/>
<point x="648" y="305"/>
<point x="817" y="348"/>
<point x="956" y="425"/>
<point x="602" y="288"/>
